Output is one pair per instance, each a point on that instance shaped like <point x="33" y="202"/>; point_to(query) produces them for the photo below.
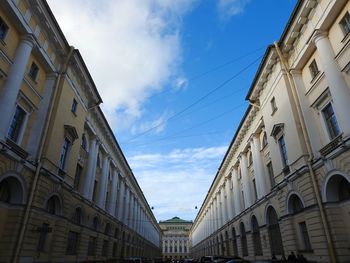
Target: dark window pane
<point x="16" y="124"/>
<point x="72" y="243"/>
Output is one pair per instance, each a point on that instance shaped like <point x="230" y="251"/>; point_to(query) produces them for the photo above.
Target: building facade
<point x="175" y="238"/>
<point x="284" y="183"/>
<point x="67" y="193"/>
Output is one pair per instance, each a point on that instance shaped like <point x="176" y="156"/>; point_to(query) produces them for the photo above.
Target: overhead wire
<point x="195" y="102"/>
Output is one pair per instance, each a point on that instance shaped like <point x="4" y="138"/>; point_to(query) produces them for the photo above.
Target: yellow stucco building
<point x="67" y="193"/>
<point x="284" y="183"/>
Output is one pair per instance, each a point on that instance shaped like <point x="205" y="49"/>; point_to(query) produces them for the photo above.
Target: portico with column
<point x="337" y="84"/>
<point x="10" y="90"/>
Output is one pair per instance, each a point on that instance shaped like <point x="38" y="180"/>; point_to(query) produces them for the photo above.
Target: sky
<point x="173" y="76"/>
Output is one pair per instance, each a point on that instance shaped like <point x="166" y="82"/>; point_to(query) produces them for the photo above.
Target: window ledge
<point x="332" y="145"/>
<point x="315" y="77"/>
<point x="345" y="38"/>
<point x="17" y="149"/>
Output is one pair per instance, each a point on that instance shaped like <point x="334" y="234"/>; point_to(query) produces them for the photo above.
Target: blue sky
<point x="173" y="75"/>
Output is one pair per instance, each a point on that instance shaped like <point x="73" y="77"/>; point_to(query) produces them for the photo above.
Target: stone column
<point x="236" y="193"/>
<point x="126" y="205"/>
<point x="89" y="179"/>
<point x="101" y="198"/>
<point x="121" y="200"/>
<point x="225" y="202"/>
<point x="229" y="197"/>
<point x="259" y="170"/>
<point x="337" y="84"/>
<point x="38" y="126"/>
<point x="9" y="92"/>
<point x="248" y="198"/>
<point x="113" y="195"/>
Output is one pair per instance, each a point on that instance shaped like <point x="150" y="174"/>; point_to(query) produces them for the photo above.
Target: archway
<point x="274" y="232"/>
<point x="256" y="237"/>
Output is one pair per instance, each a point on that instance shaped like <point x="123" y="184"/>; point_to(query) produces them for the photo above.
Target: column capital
<point x="29" y="39"/>
<point x="318" y="35"/>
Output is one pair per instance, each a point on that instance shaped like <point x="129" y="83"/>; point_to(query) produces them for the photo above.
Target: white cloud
<point x="229" y="8"/>
<point x="131" y="47"/>
<point x="177" y="181"/>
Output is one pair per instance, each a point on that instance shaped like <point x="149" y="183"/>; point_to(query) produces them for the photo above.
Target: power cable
<point x="195" y="102"/>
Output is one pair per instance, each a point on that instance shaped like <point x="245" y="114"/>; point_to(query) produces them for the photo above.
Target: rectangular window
<point x="64" y="153"/>
<point x="105" y="248"/>
<point x="271" y="174"/>
<point x="74" y="106"/>
<point x="345" y="24"/>
<point x="331" y="121"/>
<point x="17" y="124"/>
<point x="78" y="172"/>
<point x="33" y="71"/>
<point x="313" y="69"/>
<point x="42" y="238"/>
<point x="305" y="236"/>
<point x="95" y="190"/>
<point x="3" y="29"/>
<point x="255" y="191"/>
<point x="91" y="246"/>
<point x="273" y="105"/>
<point x="283" y="149"/>
<point x="115" y="249"/>
<point x="72" y="243"/>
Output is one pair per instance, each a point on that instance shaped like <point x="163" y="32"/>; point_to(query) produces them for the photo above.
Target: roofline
<point x="226" y="154"/>
<point x="259" y="70"/>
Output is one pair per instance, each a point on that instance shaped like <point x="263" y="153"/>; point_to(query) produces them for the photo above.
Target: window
<point x="105" y="248"/>
<point x="271" y="174"/>
<point x="313" y="69"/>
<point x="17" y="124"/>
<point x="294" y="204"/>
<point x="52" y="205"/>
<point x="331" y="121"/>
<point x="115" y="249"/>
<point x="77" y="217"/>
<point x="305" y="236"/>
<point x="3" y="29"/>
<point x="42" y="237"/>
<point x="345" y="24"/>
<point x="283" y="149"/>
<point x="5" y="192"/>
<point x="72" y="243"/>
<point x="274" y="232"/>
<point x="78" y="172"/>
<point x="91" y="246"/>
<point x="255" y="191"/>
<point x="95" y="223"/>
<point x="33" y="71"/>
<point x="244" y="240"/>
<point x="94" y="192"/>
<point x="74" y="106"/>
<point x="107" y="229"/>
<point x="83" y="142"/>
<point x="256" y="237"/>
<point x="273" y="105"/>
<point x="64" y="153"/>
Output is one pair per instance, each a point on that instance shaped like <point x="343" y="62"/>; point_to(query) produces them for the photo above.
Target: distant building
<point x="175" y="238"/>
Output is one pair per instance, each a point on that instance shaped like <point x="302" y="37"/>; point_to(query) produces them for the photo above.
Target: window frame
<point x="346" y="19"/>
<point x="305" y="237"/>
<point x="33" y="71"/>
<point x="3" y="25"/>
<point x="326" y="123"/>
<point x="62" y="163"/>
<point x="314" y="70"/>
<point x="283" y="151"/>
<point x="22" y="126"/>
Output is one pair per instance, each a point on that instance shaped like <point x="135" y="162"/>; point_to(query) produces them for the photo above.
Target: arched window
<point x="234" y="242"/>
<point x="337" y="189"/>
<point x="11" y="190"/>
<point x="274" y="232"/>
<point x="294" y="204"/>
<point x="78" y="215"/>
<point x="256" y="237"/>
<point x="107" y="229"/>
<point x="244" y="240"/>
<point x="53" y="205"/>
<point x="95" y="223"/>
<point x="84" y="142"/>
